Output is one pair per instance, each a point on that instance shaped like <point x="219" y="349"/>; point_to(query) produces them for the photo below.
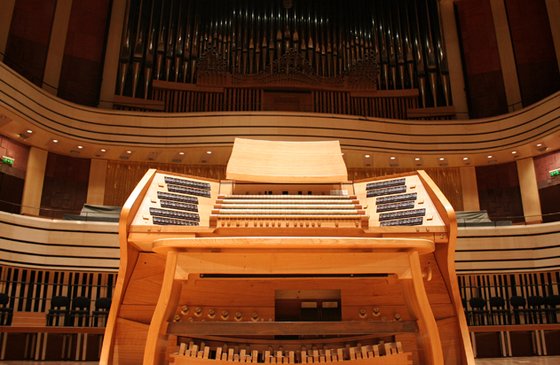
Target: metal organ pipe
<point x="167" y="39"/>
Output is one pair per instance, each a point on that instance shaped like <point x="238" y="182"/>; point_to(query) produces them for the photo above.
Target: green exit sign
<point x="8" y="160"/>
<point x="554" y="173"/>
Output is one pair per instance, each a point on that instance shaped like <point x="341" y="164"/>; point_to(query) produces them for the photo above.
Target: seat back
<point x="81" y="303"/>
<point x="60" y="302"/>
<point x="5" y="310"/>
<point x="102" y="304"/>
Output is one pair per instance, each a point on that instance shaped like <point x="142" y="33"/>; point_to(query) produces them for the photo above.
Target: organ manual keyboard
<point x="286" y="261"/>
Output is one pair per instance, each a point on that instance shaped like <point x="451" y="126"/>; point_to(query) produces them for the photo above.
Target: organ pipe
<point x="170" y="40"/>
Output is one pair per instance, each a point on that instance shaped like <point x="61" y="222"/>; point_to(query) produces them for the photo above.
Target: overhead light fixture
<point x="490" y="156"/>
<point x="129" y="152"/>
<point x="25" y="134"/>
<point x="55" y="141"/>
<point x="465" y="158"/>
<point x="80" y="147"/>
<point x="182" y="153"/>
<point x="417" y="158"/>
<point x="541" y="147"/>
<point x="367" y="156"/>
<point x="209" y="152"/>
<point x="103" y="150"/>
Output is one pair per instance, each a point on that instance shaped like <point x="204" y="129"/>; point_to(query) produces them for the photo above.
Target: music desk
<point x="305" y="256"/>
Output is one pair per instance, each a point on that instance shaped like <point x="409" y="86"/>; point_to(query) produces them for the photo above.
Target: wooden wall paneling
<point x="28" y="40"/>
<point x="65" y="186"/>
<point x="537" y="67"/>
<point x="499" y="191"/>
<point x="484" y="80"/>
<point x="543" y="164"/>
<point x="11" y="193"/>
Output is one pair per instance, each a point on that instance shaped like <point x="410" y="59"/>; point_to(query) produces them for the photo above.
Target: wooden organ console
<point x="286" y="261"/>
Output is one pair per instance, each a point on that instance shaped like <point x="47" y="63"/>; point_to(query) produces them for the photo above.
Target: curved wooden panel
<point x="76" y="245"/>
<point x="507" y="249"/>
<point x="55" y="244"/>
<point x="27" y="105"/>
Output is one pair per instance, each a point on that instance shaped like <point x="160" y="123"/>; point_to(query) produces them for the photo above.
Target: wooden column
<point x="112" y="54"/>
<point x="57" y="44"/>
<point x="553" y="9"/>
<point x="529" y="190"/>
<point x="469" y="188"/>
<point x="507" y="57"/>
<point x="33" y="185"/>
<point x="6" y="13"/>
<point x="96" y="184"/>
<point x="454" y="61"/>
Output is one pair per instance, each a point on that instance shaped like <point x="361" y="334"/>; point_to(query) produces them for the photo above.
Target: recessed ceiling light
<point x="393" y="158"/>
<point x="209" y="152"/>
<point x="465" y="158"/>
<point x="29" y="131"/>
<point x="181" y="153"/>
<point x="55" y="141"/>
<point x="442" y="158"/>
<point x="490" y="156"/>
<point x="103" y="150"/>
<point x="367" y="156"/>
<point x="539" y="144"/>
<point x="129" y="152"/>
<point x="80" y="147"/>
<point x="514" y="152"/>
<point x="416" y="158"/>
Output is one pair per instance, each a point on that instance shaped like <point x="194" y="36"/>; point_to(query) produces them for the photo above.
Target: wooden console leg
<point x="156" y="342"/>
<point x="417" y="300"/>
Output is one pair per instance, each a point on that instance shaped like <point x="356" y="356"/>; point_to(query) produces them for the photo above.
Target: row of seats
<point x="76" y="312"/>
<point x="516" y="310"/>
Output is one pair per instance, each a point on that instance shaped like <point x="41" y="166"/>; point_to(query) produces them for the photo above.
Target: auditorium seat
<point x="101" y="311"/>
<point x="59" y="313"/>
<point x="478" y="311"/>
<point x="499" y="315"/>
<point x="552" y="307"/>
<point x="79" y="314"/>
<point x="518" y="304"/>
<point x="536" y="309"/>
<point x="5" y="311"/>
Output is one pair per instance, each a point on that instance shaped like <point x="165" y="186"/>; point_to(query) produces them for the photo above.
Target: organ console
<point x="286" y="261"/>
